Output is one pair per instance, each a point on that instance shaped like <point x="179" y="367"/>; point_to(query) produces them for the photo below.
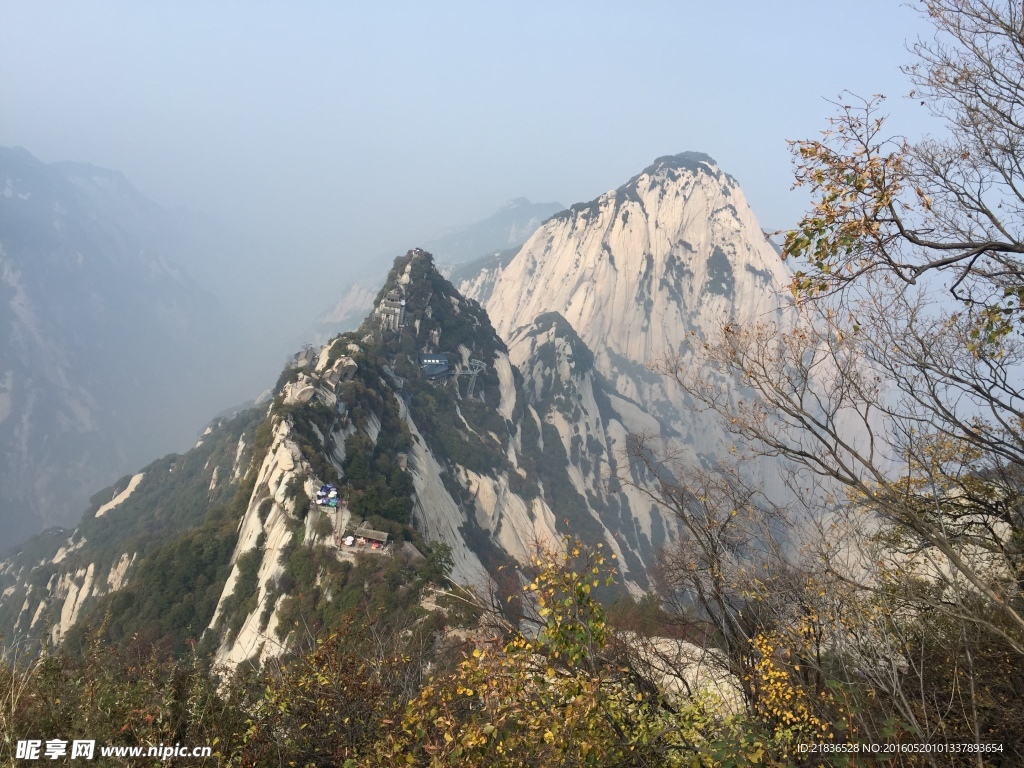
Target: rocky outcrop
<point x="674" y="252"/>
<point x="123" y="495"/>
<point x="268" y="524"/>
<point x="580" y="413"/>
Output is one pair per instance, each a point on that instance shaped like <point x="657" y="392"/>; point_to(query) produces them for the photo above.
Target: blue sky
<point x="340" y="131"/>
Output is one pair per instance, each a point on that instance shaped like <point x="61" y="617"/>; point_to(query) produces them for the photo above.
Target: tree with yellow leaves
<point x="948" y="207"/>
<point x="562" y="695"/>
<point x="897" y="396"/>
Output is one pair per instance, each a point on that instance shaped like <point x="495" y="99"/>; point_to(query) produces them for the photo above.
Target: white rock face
<point x="508" y="385"/>
<point x="118" y="572"/>
<point x="268" y="514"/>
<point x="674" y="251"/>
<point x="593" y="425"/>
<point x="76" y="595"/>
<point x="517" y="525"/>
<point x="237" y="467"/>
<point x="67" y="549"/>
<point x="250" y="639"/>
<point x="435" y="512"/>
<point x="122" y="496"/>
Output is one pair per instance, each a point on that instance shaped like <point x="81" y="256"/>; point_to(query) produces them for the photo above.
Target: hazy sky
<point x="342" y="130"/>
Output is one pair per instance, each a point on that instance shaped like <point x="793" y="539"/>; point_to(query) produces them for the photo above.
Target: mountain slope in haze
<point x="674" y="251"/>
<point x="348" y="311"/>
<point x="477" y="278"/>
<point x="511" y="225"/>
<point x="108" y="350"/>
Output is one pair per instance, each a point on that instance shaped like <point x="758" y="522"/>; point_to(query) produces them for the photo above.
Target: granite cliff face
<point x="673" y="252"/>
<point x="583" y="419"/>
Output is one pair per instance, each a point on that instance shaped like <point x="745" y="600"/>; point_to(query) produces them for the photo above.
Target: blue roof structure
<point x="434" y="365"/>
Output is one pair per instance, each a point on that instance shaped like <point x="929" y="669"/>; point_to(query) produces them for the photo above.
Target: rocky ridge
<point x="482" y="459"/>
<point x="673" y="252"/>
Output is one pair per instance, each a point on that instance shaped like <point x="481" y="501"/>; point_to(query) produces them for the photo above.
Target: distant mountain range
<point x="511" y="225"/>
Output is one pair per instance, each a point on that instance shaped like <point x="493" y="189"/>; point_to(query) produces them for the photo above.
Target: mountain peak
<point x="675" y="249"/>
<point x="517" y="202"/>
<point x="418" y="311"/>
<point x="671" y="166"/>
<point x="691" y="161"/>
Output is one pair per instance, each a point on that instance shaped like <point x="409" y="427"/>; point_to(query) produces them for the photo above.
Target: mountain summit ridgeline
<point x="674" y="251"/>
